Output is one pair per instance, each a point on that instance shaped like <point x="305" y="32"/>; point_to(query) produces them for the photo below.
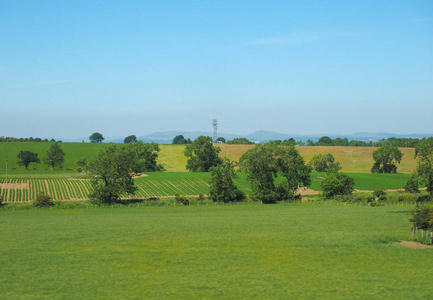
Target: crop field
<point x="167" y="184"/>
<point x="285" y="251"/>
<point x="352" y="159"/>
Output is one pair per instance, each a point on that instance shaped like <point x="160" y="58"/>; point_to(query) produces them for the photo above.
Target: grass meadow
<point x="284" y="251"/>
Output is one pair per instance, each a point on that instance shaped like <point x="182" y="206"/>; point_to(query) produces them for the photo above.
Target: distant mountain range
<point x="257" y="136"/>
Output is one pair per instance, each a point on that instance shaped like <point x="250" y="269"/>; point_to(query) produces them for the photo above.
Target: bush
<point x="412" y="185"/>
<point x="43" y="200"/>
<point x="181" y="199"/>
<point x="423" y="199"/>
<point x="422" y="216"/>
<point x="337" y="184"/>
<point x="379" y="195"/>
<point x="200" y="197"/>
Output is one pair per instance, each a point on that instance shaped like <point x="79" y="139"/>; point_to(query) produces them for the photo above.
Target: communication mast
<point x="215" y="130"/>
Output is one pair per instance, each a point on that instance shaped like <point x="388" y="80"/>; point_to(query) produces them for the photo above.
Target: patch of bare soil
<point x="411" y="244"/>
<point x="307" y="191"/>
<point x="138" y="175"/>
<point x="14" y="185"/>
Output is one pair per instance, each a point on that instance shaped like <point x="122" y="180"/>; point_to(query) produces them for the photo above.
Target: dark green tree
<point x="323" y="162"/>
<point x="130" y="139"/>
<point x="96" y="137"/>
<point x="27" y="157"/>
<point x="222" y="187"/>
<point x="180" y="140"/>
<point x="202" y="155"/>
<point x="55" y="156"/>
<point x="385" y="159"/>
<point x="424" y="156"/>
<point x="111" y="169"/>
<point x="336" y="183"/>
<point x="145" y="156"/>
<point x="324" y="141"/>
<point x="221" y="140"/>
<point x="239" y="141"/>
<point x="412" y="185"/>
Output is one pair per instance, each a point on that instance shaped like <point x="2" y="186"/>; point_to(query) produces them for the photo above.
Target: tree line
<point x="30" y="139"/>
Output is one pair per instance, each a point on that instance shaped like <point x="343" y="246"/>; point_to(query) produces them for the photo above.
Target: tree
<point x="336" y="183"/>
<point x="324" y="141"/>
<point x="55" y="156"/>
<point x="180" y="140"/>
<point x="323" y="162"/>
<point x="145" y="156"/>
<point x="222" y="187"/>
<point x="424" y="156"/>
<point x="111" y="170"/>
<point x="202" y="155"/>
<point x="265" y="162"/>
<point x="27" y="157"/>
<point x="240" y="141"/>
<point x="130" y="139"/>
<point x="96" y="137"/>
<point x="221" y="140"/>
<point x="386" y="158"/>
<point x="412" y="185"/>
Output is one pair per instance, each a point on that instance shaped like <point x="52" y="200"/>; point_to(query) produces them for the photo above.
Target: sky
<point x="71" y="68"/>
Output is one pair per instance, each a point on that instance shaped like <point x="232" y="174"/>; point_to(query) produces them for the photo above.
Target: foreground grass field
<point x="285" y="251"/>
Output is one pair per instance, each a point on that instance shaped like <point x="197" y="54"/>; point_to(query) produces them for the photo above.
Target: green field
<point x="285" y="251"/>
<point x="167" y="184"/>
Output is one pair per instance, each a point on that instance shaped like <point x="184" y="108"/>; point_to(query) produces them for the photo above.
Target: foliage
<point x="43" y="200"/>
<point x="386" y="158"/>
<point x="180" y="140"/>
<point x="222" y="187"/>
<point x="263" y="163"/>
<point x="324" y="141"/>
<point x="55" y="156"/>
<point x="221" y="140"/>
<point x="412" y="185"/>
<point x="130" y="139"/>
<point x="111" y="168"/>
<point x="145" y="156"/>
<point x="202" y="155"/>
<point x="181" y="199"/>
<point x="324" y="162"/>
<point x="422" y="216"/>
<point x="27" y="157"/>
<point x="424" y="156"/>
<point x="379" y="195"/>
<point x="96" y="137"/>
<point x="239" y="141"/>
<point x="336" y="183"/>
<point x="82" y="161"/>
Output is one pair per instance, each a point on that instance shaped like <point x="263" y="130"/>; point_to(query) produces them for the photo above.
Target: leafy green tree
<point x="222" y="187"/>
<point x="221" y="140"/>
<point x="239" y="141"/>
<point x="202" y="155"/>
<point x="111" y="169"/>
<point x="55" y="156"/>
<point x="324" y="141"/>
<point x="412" y="185"/>
<point x="180" y="140"/>
<point x="26" y="157"/>
<point x="422" y="216"/>
<point x="424" y="156"/>
<point x="265" y="162"/>
<point x="145" y="156"/>
<point x="385" y="159"/>
<point x="130" y="139"/>
<point x="323" y="162"/>
<point x="96" y="137"/>
<point x="260" y="166"/>
<point x="336" y="183"/>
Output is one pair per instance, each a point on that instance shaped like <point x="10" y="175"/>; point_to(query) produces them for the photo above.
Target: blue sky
<point x="70" y="68"/>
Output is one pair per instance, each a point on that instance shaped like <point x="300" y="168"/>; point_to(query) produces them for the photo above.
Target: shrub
<point x="412" y="185"/>
<point x="200" y="197"/>
<point x="181" y="199"/>
<point x="423" y="199"/>
<point x="422" y="216"/>
<point x="379" y="195"/>
<point x="43" y="200"/>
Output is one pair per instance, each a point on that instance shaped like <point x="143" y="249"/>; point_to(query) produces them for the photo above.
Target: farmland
<point x="216" y="251"/>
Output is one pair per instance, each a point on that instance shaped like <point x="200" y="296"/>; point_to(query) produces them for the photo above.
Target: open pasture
<point x="287" y="251"/>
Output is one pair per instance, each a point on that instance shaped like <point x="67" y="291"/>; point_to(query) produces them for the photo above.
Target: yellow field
<point x="352" y="159"/>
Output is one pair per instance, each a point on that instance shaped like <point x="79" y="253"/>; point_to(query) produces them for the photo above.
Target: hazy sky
<point x="70" y="68"/>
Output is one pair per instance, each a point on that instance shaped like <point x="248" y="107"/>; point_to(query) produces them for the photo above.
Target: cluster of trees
<point x="30" y="139"/>
<point x="398" y="142"/>
<point x="180" y="140"/>
<point x="55" y="157"/>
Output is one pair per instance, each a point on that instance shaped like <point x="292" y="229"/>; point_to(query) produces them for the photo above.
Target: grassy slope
<point x="286" y="251"/>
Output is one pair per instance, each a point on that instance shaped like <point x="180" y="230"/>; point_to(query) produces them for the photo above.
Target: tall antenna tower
<point x="215" y="130"/>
